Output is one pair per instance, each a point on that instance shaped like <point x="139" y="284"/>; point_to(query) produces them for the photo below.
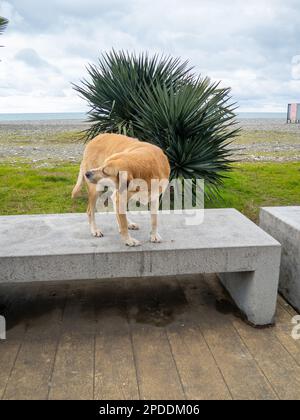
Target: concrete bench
<point x="283" y="223"/>
<point x="59" y="247"/>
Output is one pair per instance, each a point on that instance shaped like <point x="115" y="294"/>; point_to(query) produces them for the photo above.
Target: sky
<point x="252" y="47"/>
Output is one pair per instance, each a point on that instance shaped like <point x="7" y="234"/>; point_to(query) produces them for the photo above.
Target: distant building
<point x="293" y="113"/>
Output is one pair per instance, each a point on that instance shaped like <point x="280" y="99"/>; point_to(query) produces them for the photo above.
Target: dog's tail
<point x="77" y="188"/>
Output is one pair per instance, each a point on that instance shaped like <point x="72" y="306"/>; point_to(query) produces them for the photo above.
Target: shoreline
<point x="264" y="124"/>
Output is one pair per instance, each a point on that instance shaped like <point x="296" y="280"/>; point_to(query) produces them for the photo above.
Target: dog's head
<point x="115" y="167"/>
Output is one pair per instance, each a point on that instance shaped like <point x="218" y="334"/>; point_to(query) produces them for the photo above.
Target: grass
<point x="27" y="190"/>
<point x="253" y="185"/>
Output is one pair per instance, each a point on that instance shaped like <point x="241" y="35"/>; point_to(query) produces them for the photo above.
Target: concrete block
<point x="283" y="223"/>
<point x="60" y="247"/>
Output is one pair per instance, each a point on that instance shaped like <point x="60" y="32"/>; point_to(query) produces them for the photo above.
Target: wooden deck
<point x="149" y="339"/>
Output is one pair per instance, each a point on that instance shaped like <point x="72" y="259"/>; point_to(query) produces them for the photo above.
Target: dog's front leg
<point x="123" y="224"/>
<point x="131" y="225"/>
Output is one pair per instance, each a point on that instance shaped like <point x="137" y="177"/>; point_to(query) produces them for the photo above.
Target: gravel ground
<point x="268" y="140"/>
<point x="59" y="153"/>
<point x="269" y="124"/>
<point x="43" y="142"/>
<point x="42" y="126"/>
<point x="39" y="141"/>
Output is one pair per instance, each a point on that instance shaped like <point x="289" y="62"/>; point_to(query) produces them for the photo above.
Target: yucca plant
<point x="115" y="83"/>
<point x="3" y="24"/>
<point x="158" y="99"/>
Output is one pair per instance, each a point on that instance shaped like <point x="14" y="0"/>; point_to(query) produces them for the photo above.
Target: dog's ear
<point x="119" y="165"/>
<point x="114" y="171"/>
<point x="113" y="165"/>
<point x="110" y="169"/>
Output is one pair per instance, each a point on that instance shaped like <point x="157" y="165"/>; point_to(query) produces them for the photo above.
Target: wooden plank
<point x="277" y="352"/>
<point x="18" y="300"/>
<point x="156" y="370"/>
<point x="286" y="306"/>
<point x="240" y="371"/>
<point x="73" y="373"/>
<point x="157" y="374"/>
<point x="115" y="373"/>
<point x="199" y="373"/>
<point x="275" y="361"/>
<point x="30" y="376"/>
<point x="181" y="348"/>
<point x="283" y="331"/>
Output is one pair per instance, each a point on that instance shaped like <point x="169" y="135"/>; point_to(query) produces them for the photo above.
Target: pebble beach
<point x="45" y="142"/>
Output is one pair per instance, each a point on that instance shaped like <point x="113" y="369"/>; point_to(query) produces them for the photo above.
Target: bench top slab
<point x="289" y="215"/>
<point x="68" y="234"/>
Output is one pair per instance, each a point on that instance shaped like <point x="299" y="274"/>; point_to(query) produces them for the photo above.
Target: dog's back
<point x="142" y="159"/>
<point x="109" y="156"/>
<point x="107" y="145"/>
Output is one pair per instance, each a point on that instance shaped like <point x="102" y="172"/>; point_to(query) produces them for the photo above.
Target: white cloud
<point x="296" y="67"/>
<point x="250" y="47"/>
<point x="8" y="10"/>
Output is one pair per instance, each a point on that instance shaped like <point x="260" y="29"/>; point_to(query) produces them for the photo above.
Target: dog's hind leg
<point x="77" y="188"/>
<point x="93" y="195"/>
<point x="154" y="235"/>
<point x="132" y="225"/>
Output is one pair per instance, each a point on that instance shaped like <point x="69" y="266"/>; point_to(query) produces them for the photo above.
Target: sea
<point x="81" y="116"/>
<point x="78" y="116"/>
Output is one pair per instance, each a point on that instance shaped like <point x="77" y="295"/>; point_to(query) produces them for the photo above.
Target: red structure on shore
<point x="293" y="113"/>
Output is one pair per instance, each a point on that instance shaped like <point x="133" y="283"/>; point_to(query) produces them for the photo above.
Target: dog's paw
<point x="155" y="238"/>
<point x="132" y="242"/>
<point x="97" y="233"/>
<point x="133" y="226"/>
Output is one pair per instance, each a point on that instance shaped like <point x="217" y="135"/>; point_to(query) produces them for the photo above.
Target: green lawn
<point x="253" y="185"/>
<point x="27" y="190"/>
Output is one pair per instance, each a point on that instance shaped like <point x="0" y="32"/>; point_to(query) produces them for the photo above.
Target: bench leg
<point x="255" y="292"/>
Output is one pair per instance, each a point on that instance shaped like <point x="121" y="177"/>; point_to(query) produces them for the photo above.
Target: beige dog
<point x="146" y="170"/>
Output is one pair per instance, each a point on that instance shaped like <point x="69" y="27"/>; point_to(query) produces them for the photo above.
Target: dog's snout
<point x="89" y="174"/>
